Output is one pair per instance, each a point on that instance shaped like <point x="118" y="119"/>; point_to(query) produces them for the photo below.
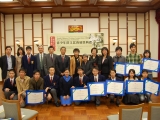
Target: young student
<point x="75" y="62"/>
<point x="96" y="78"/>
<point x="114" y="78"/>
<point x="146" y="96"/>
<point x="86" y="65"/>
<point x="147" y="55"/>
<point x="131" y="99"/>
<point x="80" y="81"/>
<point x="66" y="82"/>
<point x="36" y="82"/>
<point x="29" y="62"/>
<point x="10" y="88"/>
<point x="22" y="82"/>
<point x="51" y="82"/>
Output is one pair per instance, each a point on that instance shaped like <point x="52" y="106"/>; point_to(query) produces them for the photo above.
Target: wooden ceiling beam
<point x="154" y="2"/>
<point x="58" y="2"/>
<point x="24" y="2"/>
<point x="93" y="2"/>
<point x="123" y="2"/>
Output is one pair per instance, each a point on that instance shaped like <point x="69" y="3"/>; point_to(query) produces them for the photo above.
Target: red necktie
<point x="11" y="82"/>
<point x="29" y="60"/>
<point x="51" y="79"/>
<point x="81" y="82"/>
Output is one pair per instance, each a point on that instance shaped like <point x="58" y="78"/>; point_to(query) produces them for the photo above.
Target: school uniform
<point x="98" y="78"/>
<point x="80" y="82"/>
<point x="131" y="99"/>
<point x="10" y="84"/>
<point x="53" y="83"/>
<point x="112" y="96"/>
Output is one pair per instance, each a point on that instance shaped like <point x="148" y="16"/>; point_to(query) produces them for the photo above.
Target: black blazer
<point x="94" y="61"/>
<point x="117" y="79"/>
<point x="4" y="65"/>
<point x="87" y="68"/>
<point x="106" y="66"/>
<point x="61" y="66"/>
<point x="76" y="81"/>
<point x="54" y="84"/>
<point x="7" y="84"/>
<point x="101" y="78"/>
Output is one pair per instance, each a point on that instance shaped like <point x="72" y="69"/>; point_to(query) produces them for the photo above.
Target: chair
<point x="128" y="112"/>
<point x="12" y="110"/>
<point x="153" y="111"/>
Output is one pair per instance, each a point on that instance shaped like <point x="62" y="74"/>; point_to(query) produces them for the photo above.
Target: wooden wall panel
<point x="122" y="36"/>
<point x="27" y="21"/>
<point x="18" y="29"/>
<point x="122" y="20"/>
<point x="131" y="16"/>
<point x="105" y="31"/>
<point x="46" y="21"/>
<point x="113" y="28"/>
<point x="104" y="20"/>
<point x="18" y="18"/>
<point x="131" y="28"/>
<point x="140" y="20"/>
<point x="37" y="26"/>
<point x="140" y="36"/>
<point x="28" y="37"/>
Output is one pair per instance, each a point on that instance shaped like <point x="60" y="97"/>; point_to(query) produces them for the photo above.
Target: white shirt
<point x="12" y="80"/>
<point x="51" y="77"/>
<point x="81" y="78"/>
<point x="40" y="56"/>
<point x="28" y="55"/>
<point x="113" y="79"/>
<point x="96" y="77"/>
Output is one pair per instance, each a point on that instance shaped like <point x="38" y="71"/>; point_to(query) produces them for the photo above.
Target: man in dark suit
<point x="114" y="78"/>
<point x="62" y="62"/>
<point x="9" y="87"/>
<point x="39" y="58"/>
<point x="49" y="60"/>
<point x="29" y="62"/>
<point x="8" y="62"/>
<point x="96" y="78"/>
<point x="86" y="65"/>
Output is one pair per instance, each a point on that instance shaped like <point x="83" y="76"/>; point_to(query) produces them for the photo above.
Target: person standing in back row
<point x="62" y="62"/>
<point x="49" y="60"/>
<point x="94" y="57"/>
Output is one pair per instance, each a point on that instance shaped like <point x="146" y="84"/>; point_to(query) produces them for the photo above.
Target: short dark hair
<point x="20" y="48"/>
<point x="28" y="47"/>
<point x="94" y="49"/>
<point x="113" y="70"/>
<point x="105" y="48"/>
<point x="62" y="47"/>
<point x="8" y="47"/>
<point x="50" y="47"/>
<point x="76" y="50"/>
<point x="85" y="55"/>
<point x="118" y="48"/>
<point x="36" y="71"/>
<point x="132" y="45"/>
<point x="144" y="70"/>
<point x="22" y="69"/>
<point x="96" y="68"/>
<point x="51" y="67"/>
<point x="12" y="70"/>
<point x="66" y="69"/>
<point x="147" y="51"/>
<point x="80" y="68"/>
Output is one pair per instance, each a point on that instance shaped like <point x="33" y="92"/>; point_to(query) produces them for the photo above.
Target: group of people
<point x="56" y="74"/>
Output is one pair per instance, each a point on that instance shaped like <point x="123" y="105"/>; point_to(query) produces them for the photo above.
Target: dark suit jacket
<point x="61" y="66"/>
<point x="101" y="78"/>
<point x="106" y="66"/>
<point x="29" y="67"/>
<point x="117" y="79"/>
<point x="48" y="62"/>
<point x="38" y="61"/>
<point x="4" y="65"/>
<point x="77" y="83"/>
<point x="94" y="61"/>
<point x="87" y="68"/>
<point x="7" y="84"/>
<point x="54" y="84"/>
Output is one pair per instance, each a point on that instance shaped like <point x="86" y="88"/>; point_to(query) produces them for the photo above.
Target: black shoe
<point x="57" y="104"/>
<point x="111" y="101"/>
<point x="117" y="103"/>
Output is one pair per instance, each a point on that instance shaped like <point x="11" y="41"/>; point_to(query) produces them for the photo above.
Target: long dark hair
<point x="147" y="51"/>
<point x="132" y="70"/>
<point x="105" y="48"/>
<point x="20" y="48"/>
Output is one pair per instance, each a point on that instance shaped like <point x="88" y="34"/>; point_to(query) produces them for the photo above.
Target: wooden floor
<point x="83" y="112"/>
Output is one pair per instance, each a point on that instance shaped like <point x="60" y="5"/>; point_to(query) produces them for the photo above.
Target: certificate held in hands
<point x="120" y="68"/>
<point x="152" y="87"/>
<point x="151" y="65"/>
<point x="80" y="94"/>
<point x="35" y="96"/>
<point x="97" y="88"/>
<point x="136" y="67"/>
<point x="115" y="87"/>
<point x="134" y="87"/>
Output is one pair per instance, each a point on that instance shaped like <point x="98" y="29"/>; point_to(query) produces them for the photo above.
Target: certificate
<point x="35" y="97"/>
<point x="151" y="87"/>
<point x="120" y="68"/>
<point x="115" y="87"/>
<point x="151" y="65"/>
<point x="136" y="67"/>
<point x="80" y="94"/>
<point x="134" y="86"/>
<point x="96" y="88"/>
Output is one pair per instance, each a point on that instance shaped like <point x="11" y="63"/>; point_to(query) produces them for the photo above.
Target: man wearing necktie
<point x="49" y="60"/>
<point x="39" y="58"/>
<point x="10" y="88"/>
<point x="29" y="62"/>
<point x="62" y="62"/>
